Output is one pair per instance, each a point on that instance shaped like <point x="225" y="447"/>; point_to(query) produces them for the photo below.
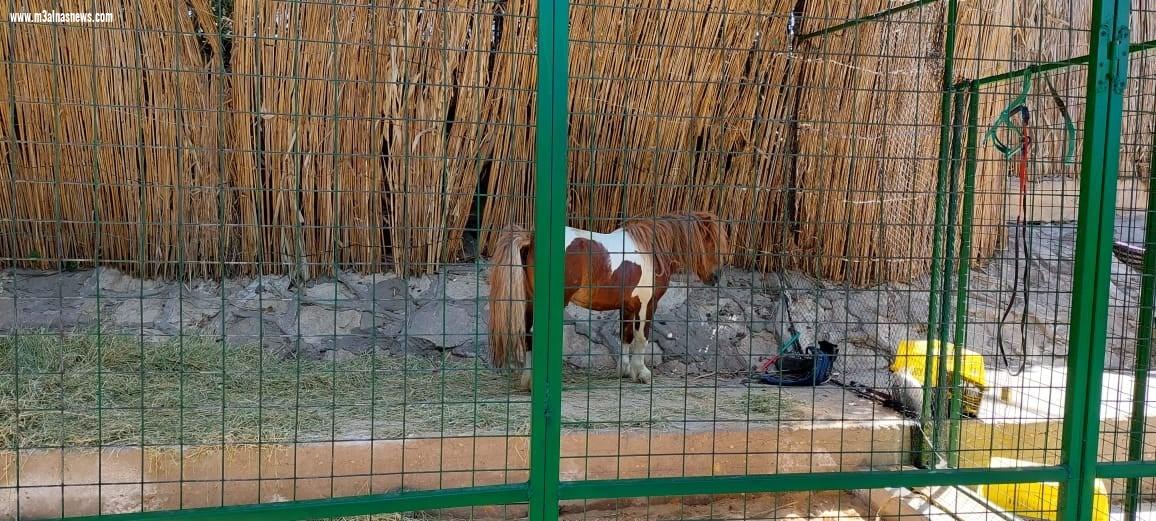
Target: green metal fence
<point x="302" y="382"/>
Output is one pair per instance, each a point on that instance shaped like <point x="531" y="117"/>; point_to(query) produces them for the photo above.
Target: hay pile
<point x="93" y="390"/>
<point x="374" y="136"/>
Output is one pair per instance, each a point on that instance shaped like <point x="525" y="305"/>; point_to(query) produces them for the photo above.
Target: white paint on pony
<point x="622" y="248"/>
<point x="644" y="291"/>
<point x="619" y="244"/>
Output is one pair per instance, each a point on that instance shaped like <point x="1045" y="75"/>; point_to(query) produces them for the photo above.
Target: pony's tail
<point x="508" y="299"/>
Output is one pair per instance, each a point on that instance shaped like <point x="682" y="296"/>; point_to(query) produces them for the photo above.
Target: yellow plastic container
<point x="911" y="357"/>
<point x="1040" y="500"/>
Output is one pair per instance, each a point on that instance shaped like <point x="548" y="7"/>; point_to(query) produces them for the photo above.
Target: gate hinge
<point x="1118" y="53"/>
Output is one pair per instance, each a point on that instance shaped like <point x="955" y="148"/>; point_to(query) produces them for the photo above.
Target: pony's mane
<point x="679" y="240"/>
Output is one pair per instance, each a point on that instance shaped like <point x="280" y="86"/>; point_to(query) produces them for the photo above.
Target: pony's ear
<point x="524" y="252"/>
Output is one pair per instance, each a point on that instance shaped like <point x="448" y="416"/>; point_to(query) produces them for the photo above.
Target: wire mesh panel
<point x="833" y="189"/>
<point x="1127" y="396"/>
<point x="1018" y="301"/>
<point x="314" y="253"/>
<point x="243" y="242"/>
<point x="825" y="185"/>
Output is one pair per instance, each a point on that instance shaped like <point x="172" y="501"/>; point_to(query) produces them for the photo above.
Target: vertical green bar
<point x="944" y="324"/>
<point x="1143" y="347"/>
<point x="966" y="232"/>
<point x="1107" y="78"/>
<point x="549" y="230"/>
<point x="927" y="425"/>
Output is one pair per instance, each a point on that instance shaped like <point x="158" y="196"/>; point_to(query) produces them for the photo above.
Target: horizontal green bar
<point x="1124" y="470"/>
<point x="802" y="482"/>
<point x="1051" y="66"/>
<point x="344" y="506"/>
<point x="864" y="19"/>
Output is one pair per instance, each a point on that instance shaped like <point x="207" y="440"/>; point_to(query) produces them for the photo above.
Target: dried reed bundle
<point x="696" y="102"/>
<point x="363" y="135"/>
<point x="118" y="126"/>
<point x="694" y="114"/>
<point x="366" y="124"/>
<point x="512" y="109"/>
<point x="437" y="127"/>
<point x="869" y="127"/>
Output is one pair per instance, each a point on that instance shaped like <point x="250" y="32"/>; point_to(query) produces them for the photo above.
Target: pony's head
<point x="693" y="241"/>
<point x="714" y="244"/>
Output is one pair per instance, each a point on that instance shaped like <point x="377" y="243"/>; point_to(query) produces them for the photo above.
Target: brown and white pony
<point x="627" y="269"/>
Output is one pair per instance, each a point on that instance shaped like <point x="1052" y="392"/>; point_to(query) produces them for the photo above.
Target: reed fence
<point x="315" y="136"/>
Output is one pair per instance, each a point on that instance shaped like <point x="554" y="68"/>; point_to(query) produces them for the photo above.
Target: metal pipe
<point x="1100" y="165"/>
<point x="1052" y="66"/>
<point x="926" y="422"/>
<point x="802" y="481"/>
<point x="941" y="386"/>
<point x="966" y="234"/>
<point x="864" y="19"/>
<point x="550" y="222"/>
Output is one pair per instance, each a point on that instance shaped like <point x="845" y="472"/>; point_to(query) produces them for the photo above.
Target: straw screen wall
<point x="373" y="138"/>
<point x="112" y="138"/>
<point x="359" y="152"/>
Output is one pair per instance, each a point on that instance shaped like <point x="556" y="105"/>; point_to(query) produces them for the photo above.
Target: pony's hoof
<point x="643" y="376"/>
<point x="524" y="382"/>
<point x="624" y="369"/>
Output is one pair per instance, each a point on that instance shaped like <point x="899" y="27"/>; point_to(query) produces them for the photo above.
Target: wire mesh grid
<point x="244" y="241"/>
<point x="250" y="247"/>
<point x="835" y="213"/>
<point x="1125" y="433"/>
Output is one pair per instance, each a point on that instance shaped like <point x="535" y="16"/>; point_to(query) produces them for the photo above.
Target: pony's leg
<point x="525" y="379"/>
<point x="638" y="370"/>
<point x="629" y="318"/>
<point x="632" y="364"/>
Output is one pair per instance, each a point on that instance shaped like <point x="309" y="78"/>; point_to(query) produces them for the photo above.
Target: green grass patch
<point x="108" y="390"/>
<point x="87" y="390"/>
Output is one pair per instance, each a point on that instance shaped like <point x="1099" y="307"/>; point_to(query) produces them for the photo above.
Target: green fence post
<point x="549" y="224"/>
<point x="1107" y="78"/>
<point x="966" y="232"/>
<point x="1143" y="346"/>
<point x="926" y="458"/>
<point x="940" y="412"/>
